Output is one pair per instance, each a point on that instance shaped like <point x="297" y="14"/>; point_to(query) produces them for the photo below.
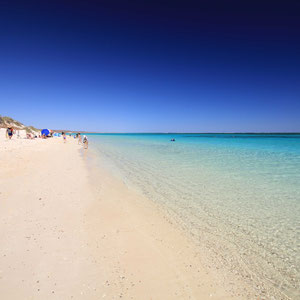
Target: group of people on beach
<point x="84" y="141"/>
<point x="10" y="131"/>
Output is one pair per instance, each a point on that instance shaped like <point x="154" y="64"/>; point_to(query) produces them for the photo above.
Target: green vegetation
<point x="7" y="121"/>
<point x="31" y="129"/>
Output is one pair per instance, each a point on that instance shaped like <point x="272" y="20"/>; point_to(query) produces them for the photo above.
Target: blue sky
<point x="167" y="66"/>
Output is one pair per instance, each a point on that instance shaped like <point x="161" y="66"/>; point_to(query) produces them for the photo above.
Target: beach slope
<point x="69" y="232"/>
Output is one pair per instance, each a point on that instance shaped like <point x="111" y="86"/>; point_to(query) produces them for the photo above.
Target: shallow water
<point x="237" y="194"/>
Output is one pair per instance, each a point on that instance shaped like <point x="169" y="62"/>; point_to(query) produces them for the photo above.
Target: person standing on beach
<point x="9" y="132"/>
<point x="64" y="136"/>
<point x="79" y="139"/>
<point x="85" y="142"/>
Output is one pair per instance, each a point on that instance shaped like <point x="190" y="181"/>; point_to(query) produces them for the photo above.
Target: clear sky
<point x="151" y="66"/>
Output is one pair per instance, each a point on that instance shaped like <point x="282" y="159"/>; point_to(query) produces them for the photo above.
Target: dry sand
<point x="69" y="232"/>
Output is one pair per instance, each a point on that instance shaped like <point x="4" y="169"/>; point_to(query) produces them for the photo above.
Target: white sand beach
<point x="68" y="232"/>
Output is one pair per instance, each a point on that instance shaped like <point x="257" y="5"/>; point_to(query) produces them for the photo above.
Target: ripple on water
<point x="240" y="198"/>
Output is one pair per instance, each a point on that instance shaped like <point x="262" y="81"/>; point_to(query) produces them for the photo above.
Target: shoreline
<point x="235" y="240"/>
<point x="208" y="260"/>
<point x="71" y="232"/>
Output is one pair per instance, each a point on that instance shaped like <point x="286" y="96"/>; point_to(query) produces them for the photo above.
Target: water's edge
<point x="222" y="251"/>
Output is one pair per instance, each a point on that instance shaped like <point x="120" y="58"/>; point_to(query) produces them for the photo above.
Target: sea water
<point x="237" y="194"/>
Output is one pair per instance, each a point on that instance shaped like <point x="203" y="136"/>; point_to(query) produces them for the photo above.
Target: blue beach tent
<point x="45" y="132"/>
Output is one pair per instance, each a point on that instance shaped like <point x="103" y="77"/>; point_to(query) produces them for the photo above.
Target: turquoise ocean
<point x="238" y="195"/>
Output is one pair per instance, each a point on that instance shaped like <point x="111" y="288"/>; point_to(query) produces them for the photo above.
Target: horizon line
<point x="148" y="132"/>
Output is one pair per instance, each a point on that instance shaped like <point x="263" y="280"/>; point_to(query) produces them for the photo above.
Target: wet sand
<point x="68" y="231"/>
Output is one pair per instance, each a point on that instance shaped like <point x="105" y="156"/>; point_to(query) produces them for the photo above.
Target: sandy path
<point x="67" y="232"/>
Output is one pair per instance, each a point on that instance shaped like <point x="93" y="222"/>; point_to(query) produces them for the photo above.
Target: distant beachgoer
<point x="85" y="142"/>
<point x="64" y="136"/>
<point x="9" y="132"/>
<point x="79" y="139"/>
